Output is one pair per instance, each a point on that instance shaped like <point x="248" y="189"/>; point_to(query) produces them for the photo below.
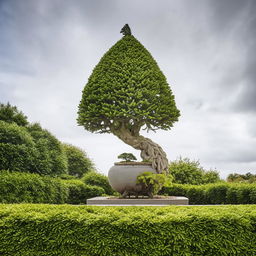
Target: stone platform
<point x="161" y="201"/>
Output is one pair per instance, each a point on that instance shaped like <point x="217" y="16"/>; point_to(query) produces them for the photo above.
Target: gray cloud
<point x="206" y="49"/>
<point x="237" y="20"/>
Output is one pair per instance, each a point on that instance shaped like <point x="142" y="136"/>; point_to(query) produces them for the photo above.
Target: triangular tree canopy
<point x="127" y="85"/>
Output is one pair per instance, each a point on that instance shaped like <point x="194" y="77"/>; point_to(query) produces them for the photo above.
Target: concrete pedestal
<point x="161" y="201"/>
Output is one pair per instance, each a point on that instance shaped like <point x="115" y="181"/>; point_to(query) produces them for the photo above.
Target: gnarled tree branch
<point x="150" y="151"/>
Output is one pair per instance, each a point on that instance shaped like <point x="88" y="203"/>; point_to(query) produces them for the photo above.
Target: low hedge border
<point x="18" y="187"/>
<point x="216" y="193"/>
<point x="80" y="192"/>
<point x="127" y="231"/>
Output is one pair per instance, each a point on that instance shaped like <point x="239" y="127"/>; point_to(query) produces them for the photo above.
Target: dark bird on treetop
<point x="126" y="30"/>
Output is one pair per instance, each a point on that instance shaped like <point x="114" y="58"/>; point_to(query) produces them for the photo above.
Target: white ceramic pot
<point x="122" y="176"/>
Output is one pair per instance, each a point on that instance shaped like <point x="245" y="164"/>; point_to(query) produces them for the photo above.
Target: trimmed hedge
<point x="16" y="187"/>
<point x="97" y="179"/>
<point x="217" y="193"/>
<point x="31" y="188"/>
<point x="127" y="231"/>
<point x="80" y="192"/>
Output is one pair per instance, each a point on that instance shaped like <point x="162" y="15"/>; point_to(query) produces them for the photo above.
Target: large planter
<point x="122" y="176"/>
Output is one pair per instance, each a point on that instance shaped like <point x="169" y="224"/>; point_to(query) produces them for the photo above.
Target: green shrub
<point x="219" y="193"/>
<point x="78" y="161"/>
<point x="18" y="158"/>
<point x="185" y="171"/>
<point x="30" y="149"/>
<point x="253" y="195"/>
<point x="236" y="177"/>
<point x="14" y="134"/>
<point x="118" y="231"/>
<point x="175" y="189"/>
<point x="80" y="192"/>
<point x="16" y="187"/>
<point x="66" y="177"/>
<point x="17" y="148"/>
<point x="196" y="195"/>
<point x="151" y="183"/>
<point x="97" y="179"/>
<point x="51" y="158"/>
<point x="211" y="176"/>
<point x="231" y="196"/>
<point x="243" y="194"/>
<point x="11" y="114"/>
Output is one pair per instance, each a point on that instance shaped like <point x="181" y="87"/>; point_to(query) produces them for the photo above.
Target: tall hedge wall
<point x="127" y="231"/>
<point x="216" y="193"/>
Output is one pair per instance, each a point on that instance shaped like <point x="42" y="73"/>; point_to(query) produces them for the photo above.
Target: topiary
<point x="125" y="92"/>
<point x="97" y="179"/>
<point x="78" y="161"/>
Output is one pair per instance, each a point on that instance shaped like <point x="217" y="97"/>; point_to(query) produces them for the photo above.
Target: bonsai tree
<point x="127" y="157"/>
<point x="126" y="92"/>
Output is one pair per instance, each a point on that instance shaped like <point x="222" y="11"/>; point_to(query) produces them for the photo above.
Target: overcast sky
<point x="205" y="48"/>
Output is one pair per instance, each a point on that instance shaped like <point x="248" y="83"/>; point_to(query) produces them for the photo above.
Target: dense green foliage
<point x="78" y="161"/>
<point x="33" y="188"/>
<point x="27" y="147"/>
<point x="128" y="89"/>
<point x="152" y="182"/>
<point x="218" y="193"/>
<point x="11" y="114"/>
<point x="16" y="187"/>
<point x="80" y="192"/>
<point x="17" y="148"/>
<point x="51" y="158"/>
<point x="98" y="179"/>
<point x="125" y="231"/>
<point x="14" y="134"/>
<point x="185" y="171"/>
<point x="248" y="177"/>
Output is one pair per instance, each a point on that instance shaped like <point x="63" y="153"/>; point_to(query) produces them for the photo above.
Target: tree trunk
<point x="150" y="151"/>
